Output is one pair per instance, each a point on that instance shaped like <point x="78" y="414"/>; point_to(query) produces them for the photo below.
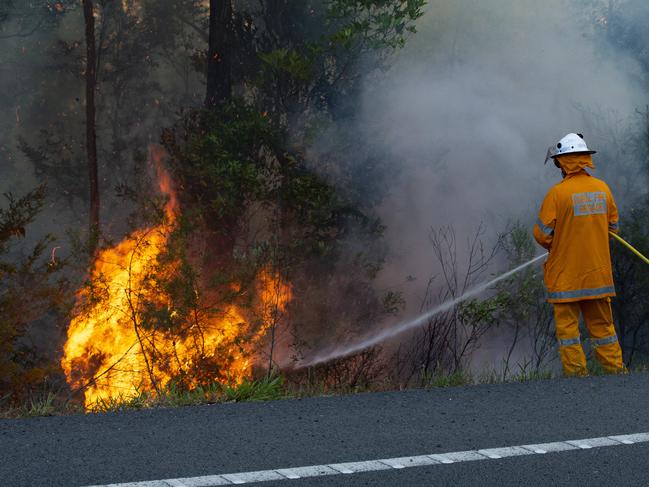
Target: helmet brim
<point x="575" y="152"/>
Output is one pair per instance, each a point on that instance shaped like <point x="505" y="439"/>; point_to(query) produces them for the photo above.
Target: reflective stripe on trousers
<point x="599" y="321"/>
<point x="598" y="342"/>
<point x="566" y="342"/>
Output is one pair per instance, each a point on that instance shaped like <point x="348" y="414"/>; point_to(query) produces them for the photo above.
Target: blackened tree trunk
<point x="91" y="130"/>
<point x="219" y="82"/>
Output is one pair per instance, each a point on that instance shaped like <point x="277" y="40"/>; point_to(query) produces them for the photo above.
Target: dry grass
<point x="266" y="389"/>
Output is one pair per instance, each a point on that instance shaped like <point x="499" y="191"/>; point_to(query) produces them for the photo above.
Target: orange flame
<point x="125" y="338"/>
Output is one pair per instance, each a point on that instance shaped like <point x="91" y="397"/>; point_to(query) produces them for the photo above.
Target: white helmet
<point x="570" y="144"/>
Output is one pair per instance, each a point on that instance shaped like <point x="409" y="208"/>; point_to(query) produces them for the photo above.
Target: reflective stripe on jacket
<point x="573" y="225"/>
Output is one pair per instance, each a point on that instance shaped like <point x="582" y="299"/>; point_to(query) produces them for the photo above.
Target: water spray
<point x="369" y="341"/>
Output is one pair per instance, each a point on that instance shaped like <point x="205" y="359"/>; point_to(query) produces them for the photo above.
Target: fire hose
<point x="630" y="247"/>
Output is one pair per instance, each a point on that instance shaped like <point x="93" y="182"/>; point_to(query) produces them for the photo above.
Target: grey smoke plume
<point x="469" y="108"/>
<point x="472" y="104"/>
<point x="362" y="343"/>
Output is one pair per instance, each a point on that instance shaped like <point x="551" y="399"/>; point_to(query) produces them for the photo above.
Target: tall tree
<point x="91" y="128"/>
<point x="259" y="204"/>
<point x="219" y="82"/>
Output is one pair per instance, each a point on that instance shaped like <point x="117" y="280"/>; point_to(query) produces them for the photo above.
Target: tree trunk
<point x="219" y="83"/>
<point x="91" y="130"/>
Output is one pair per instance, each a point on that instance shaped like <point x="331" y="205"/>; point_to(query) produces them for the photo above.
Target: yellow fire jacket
<point x="573" y="224"/>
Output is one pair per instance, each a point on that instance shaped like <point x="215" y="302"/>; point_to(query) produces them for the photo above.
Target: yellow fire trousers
<point x="599" y="322"/>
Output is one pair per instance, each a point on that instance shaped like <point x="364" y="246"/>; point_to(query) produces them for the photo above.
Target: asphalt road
<point x="220" y="439"/>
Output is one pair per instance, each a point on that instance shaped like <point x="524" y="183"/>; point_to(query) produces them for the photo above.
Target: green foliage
<point x="596" y="369"/>
<point x="527" y="372"/>
<point x="457" y="378"/>
<point x="360" y="372"/>
<point x="378" y="24"/>
<point x="233" y="160"/>
<point x="393" y="302"/>
<point x="631" y="305"/>
<point x="522" y="372"/>
<point x="306" y="68"/>
<point x="524" y="308"/>
<point x="485" y="311"/>
<point x="47" y="404"/>
<point x="250" y="197"/>
<point x="290" y="62"/>
<point x="305" y="60"/>
<point x="29" y="290"/>
<point x="140" y="400"/>
<point x="221" y="163"/>
<point x="43" y="406"/>
<point x="19" y="213"/>
<point x="265" y="389"/>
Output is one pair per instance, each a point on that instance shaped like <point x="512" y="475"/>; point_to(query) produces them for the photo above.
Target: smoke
<point x="462" y="117"/>
<point x="470" y="107"/>
<point x="141" y="85"/>
<point x="377" y="338"/>
<point x="466" y="113"/>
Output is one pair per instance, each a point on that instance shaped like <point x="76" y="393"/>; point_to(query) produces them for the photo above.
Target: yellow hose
<point x="630" y="247"/>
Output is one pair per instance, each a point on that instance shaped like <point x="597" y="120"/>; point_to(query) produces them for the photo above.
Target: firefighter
<point x="573" y="225"/>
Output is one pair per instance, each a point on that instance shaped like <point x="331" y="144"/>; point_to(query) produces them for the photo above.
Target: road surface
<point x="200" y="446"/>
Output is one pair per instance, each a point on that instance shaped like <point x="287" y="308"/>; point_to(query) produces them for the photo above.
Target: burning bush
<point x="143" y="322"/>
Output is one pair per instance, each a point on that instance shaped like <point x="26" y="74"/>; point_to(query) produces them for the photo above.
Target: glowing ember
<point x="127" y="336"/>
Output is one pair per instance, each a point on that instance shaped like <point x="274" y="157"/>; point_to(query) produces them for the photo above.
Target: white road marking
<point x="580" y="444"/>
<point x="176" y="483"/>
<point x="288" y="473"/>
<point x="626" y="442"/>
<point x="206" y="481"/>
<point x="400" y="463"/>
<point x="403" y="462"/>
<point x="465" y="456"/>
<point x="553" y="447"/>
<point x="488" y="454"/>
<point x="442" y="459"/>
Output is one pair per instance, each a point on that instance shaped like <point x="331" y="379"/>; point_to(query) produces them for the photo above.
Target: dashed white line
<point x="289" y="474"/>
<point x="175" y="483"/>
<point x="442" y="459"/>
<point x="400" y="463"/>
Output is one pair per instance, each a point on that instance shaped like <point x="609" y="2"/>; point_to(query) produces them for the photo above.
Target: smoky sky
<point x="464" y="116"/>
<point x="469" y="108"/>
